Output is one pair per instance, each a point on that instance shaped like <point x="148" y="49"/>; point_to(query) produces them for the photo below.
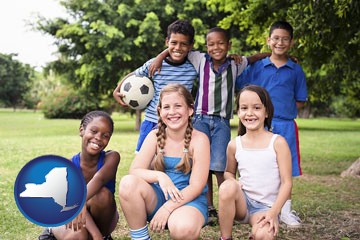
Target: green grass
<point x="328" y="204"/>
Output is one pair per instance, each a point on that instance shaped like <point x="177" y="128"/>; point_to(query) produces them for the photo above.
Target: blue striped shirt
<point x="182" y="73"/>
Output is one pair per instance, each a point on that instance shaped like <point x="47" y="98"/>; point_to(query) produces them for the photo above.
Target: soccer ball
<point x="137" y="91"/>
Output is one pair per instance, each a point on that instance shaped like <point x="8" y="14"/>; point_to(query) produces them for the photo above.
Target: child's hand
<point x="119" y="96"/>
<point x="79" y="222"/>
<point x="270" y="218"/>
<point x="237" y="58"/>
<point x="120" y="99"/>
<point x="169" y="189"/>
<point x="158" y="223"/>
<point x="155" y="66"/>
<point x="294" y="59"/>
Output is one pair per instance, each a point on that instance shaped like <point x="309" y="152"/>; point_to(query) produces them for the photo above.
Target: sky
<point x="16" y="36"/>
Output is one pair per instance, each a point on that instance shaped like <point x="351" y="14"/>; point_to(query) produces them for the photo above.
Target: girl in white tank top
<point x="263" y="162"/>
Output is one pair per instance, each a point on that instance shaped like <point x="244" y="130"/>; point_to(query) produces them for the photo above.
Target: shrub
<point x="65" y="103"/>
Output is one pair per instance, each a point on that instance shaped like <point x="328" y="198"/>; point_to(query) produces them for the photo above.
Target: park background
<point x="99" y="42"/>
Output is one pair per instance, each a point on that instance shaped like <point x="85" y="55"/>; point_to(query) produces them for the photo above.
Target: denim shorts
<point x="218" y="131"/>
<point x="253" y="207"/>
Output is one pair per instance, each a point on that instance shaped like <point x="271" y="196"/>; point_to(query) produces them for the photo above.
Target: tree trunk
<point x="305" y="112"/>
<point x="353" y="170"/>
<point x="138" y="120"/>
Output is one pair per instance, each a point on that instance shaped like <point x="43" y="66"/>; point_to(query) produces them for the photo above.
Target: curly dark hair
<point x="183" y="27"/>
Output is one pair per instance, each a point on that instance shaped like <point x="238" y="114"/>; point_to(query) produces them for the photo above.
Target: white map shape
<point x="55" y="187"/>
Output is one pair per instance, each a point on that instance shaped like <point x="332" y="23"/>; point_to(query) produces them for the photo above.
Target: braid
<point x="94" y="114"/>
<point x="161" y="136"/>
<point x="185" y="165"/>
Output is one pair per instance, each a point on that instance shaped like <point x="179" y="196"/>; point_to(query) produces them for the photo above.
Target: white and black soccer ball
<point x="137" y="91"/>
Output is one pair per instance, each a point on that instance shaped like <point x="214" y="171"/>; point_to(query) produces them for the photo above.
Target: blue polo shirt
<point x="286" y="85"/>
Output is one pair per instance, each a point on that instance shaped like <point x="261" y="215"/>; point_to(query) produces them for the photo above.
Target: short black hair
<point x="221" y="30"/>
<point x="182" y="27"/>
<point x="282" y="25"/>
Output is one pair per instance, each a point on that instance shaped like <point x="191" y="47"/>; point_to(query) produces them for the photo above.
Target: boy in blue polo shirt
<point x="285" y="81"/>
<point x="176" y="69"/>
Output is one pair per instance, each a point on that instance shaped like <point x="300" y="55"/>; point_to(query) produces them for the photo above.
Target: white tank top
<point x="259" y="171"/>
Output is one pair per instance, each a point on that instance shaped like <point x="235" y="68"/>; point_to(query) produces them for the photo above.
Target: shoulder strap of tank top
<point x="272" y="140"/>
<point x="101" y="160"/>
<point x="238" y="142"/>
<point x="76" y="160"/>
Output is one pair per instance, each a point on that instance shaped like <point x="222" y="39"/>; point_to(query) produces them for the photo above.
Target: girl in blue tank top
<point x="99" y="216"/>
<point x="166" y="185"/>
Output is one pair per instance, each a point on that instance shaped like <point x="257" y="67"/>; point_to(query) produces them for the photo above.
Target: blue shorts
<point x="253" y="207"/>
<point x="145" y="129"/>
<point x="218" y="131"/>
<point x="289" y="130"/>
<point x="199" y="203"/>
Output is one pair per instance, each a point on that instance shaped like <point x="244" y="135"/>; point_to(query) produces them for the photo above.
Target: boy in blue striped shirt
<point x="175" y="69"/>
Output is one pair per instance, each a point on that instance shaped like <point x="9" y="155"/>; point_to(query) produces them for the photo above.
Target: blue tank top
<point x="180" y="179"/>
<point x="109" y="185"/>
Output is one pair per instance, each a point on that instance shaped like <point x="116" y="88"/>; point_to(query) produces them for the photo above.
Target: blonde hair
<point x="185" y="163"/>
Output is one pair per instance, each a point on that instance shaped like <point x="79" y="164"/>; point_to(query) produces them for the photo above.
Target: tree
<point x="15" y="80"/>
<point x="328" y="40"/>
<point x="102" y="41"/>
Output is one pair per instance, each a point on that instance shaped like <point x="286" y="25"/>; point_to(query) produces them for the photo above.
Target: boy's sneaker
<point x="291" y="219"/>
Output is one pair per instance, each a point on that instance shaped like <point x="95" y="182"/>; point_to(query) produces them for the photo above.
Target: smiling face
<point x="96" y="135"/>
<point x="280" y="41"/>
<point x="174" y="111"/>
<point x="179" y="46"/>
<point x="252" y="112"/>
<point x="217" y="46"/>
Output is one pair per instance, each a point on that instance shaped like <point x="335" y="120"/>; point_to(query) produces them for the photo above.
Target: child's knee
<point x="127" y="186"/>
<point x="103" y="198"/>
<point x="263" y="233"/>
<point x="183" y="230"/>
<point x="227" y="189"/>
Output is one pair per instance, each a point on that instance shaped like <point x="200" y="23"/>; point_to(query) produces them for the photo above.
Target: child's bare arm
<point x="104" y="175"/>
<point x="116" y="93"/>
<point x="237" y="58"/>
<point x="231" y="164"/>
<point x="157" y="62"/>
<point x="258" y="56"/>
<point x="283" y="157"/>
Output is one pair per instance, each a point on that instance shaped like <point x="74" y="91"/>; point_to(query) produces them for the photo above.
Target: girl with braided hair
<point x="166" y="185"/>
<point x="99" y="216"/>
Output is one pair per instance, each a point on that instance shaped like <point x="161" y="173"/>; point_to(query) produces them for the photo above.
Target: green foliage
<point x="344" y="106"/>
<point x="327" y="42"/>
<point x="102" y="41"/>
<point x="15" y="81"/>
<point x="105" y="40"/>
<point x="65" y="103"/>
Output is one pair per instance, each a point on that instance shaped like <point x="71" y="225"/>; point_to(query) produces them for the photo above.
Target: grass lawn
<point x="328" y="204"/>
